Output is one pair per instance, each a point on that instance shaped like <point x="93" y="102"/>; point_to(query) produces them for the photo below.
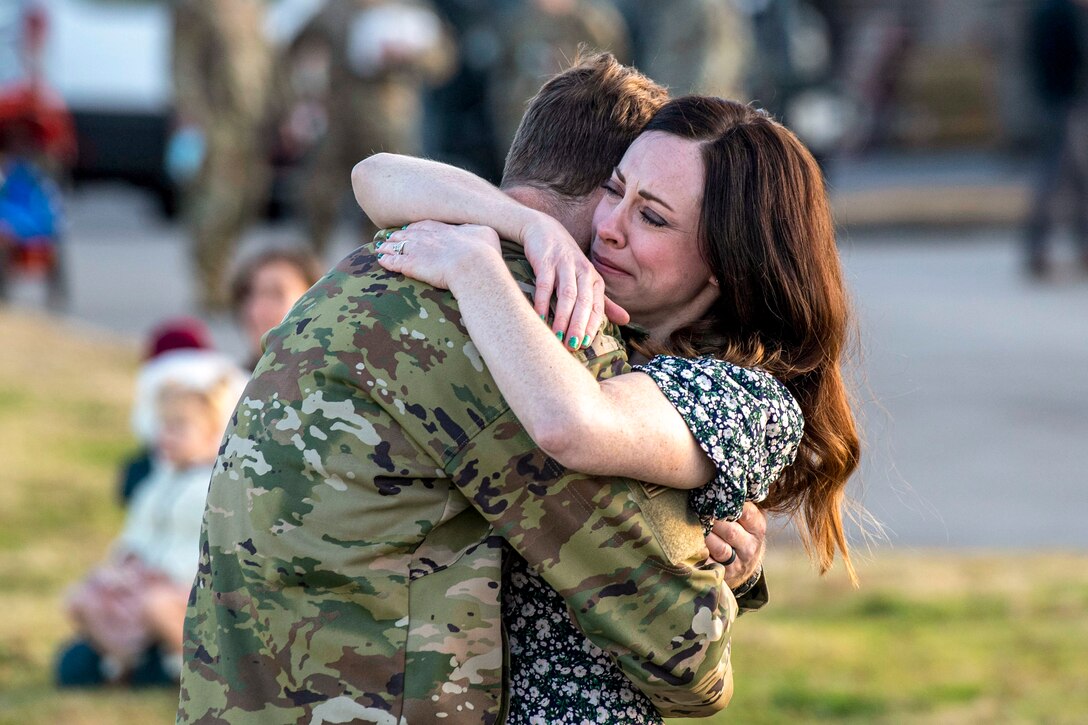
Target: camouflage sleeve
<point x="627" y="558"/>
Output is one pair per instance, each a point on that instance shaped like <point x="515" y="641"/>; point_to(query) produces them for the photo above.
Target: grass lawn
<point x="931" y="636"/>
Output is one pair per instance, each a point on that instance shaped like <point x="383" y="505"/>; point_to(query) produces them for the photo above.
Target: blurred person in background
<point x="459" y="129"/>
<point x="794" y="73"/>
<point x="37" y="148"/>
<point x="264" y="287"/>
<point x="31" y="211"/>
<point x="1058" y="60"/>
<point x="222" y="66"/>
<point x="380" y="57"/>
<point x="130" y="609"/>
<point x="539" y="38"/>
<point x="166" y="350"/>
<point x="692" y="46"/>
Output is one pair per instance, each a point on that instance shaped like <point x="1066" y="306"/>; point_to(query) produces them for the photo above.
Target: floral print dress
<point x="750" y="426"/>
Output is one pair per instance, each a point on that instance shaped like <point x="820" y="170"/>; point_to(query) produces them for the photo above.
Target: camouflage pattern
<point x="351" y="552"/>
<point x="381" y="111"/>
<point x="222" y="67"/>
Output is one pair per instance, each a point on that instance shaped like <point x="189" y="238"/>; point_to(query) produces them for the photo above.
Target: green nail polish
<point x="379" y="244"/>
<point x="585" y="341"/>
<point x="559" y="336"/>
<point x="573" y="342"/>
<point x="404" y="227"/>
<point x="542" y="317"/>
<point x="380" y="256"/>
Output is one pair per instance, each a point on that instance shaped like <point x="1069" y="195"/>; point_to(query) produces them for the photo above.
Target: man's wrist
<point x="752" y="594"/>
<point x="746" y="586"/>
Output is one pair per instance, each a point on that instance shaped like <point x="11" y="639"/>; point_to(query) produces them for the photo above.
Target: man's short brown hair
<point x="577" y="127"/>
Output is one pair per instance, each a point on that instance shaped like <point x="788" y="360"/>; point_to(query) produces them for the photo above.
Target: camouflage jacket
<point x="350" y="557"/>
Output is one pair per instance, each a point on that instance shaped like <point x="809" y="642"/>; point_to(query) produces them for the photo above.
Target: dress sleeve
<point x="746" y="421"/>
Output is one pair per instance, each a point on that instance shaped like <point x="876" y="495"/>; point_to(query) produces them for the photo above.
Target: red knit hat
<point x="179" y="333"/>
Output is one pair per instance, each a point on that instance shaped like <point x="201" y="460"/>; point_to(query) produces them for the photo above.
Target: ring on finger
<point x="732" y="557"/>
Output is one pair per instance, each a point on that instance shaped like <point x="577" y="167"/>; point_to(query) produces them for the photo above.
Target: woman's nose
<point x="611" y="229"/>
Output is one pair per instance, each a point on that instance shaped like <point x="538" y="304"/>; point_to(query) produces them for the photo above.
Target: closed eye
<point x="610" y="188"/>
<point x="653" y="219"/>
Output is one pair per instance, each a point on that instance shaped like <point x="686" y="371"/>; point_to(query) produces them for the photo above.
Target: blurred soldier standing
<point x="460" y="127"/>
<point x="1058" y="61"/>
<point x="539" y="38"/>
<point x="692" y="46"/>
<point x="222" y="71"/>
<point x="381" y="57"/>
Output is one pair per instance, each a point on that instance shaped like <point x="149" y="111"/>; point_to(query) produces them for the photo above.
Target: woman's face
<point x="275" y="288"/>
<point x="644" y="242"/>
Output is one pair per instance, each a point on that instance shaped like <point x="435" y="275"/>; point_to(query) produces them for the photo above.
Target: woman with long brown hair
<point x="768" y="237"/>
<point x="715" y="235"/>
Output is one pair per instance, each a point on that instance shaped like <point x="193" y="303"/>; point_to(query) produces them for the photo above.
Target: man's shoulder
<point x="358" y="302"/>
<point x="606" y="355"/>
<point x="399" y="341"/>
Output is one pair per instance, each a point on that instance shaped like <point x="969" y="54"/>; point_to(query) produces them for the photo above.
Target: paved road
<point x="974" y="383"/>
<point x="976" y="408"/>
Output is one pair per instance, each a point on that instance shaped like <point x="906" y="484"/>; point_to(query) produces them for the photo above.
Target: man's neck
<point x="571" y="214"/>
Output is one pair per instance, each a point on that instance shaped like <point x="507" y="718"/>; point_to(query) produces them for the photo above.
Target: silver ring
<point x="731" y="559"/>
<point x="398" y="248"/>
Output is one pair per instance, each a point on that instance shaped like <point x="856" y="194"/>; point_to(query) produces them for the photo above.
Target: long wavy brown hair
<point x="766" y="233"/>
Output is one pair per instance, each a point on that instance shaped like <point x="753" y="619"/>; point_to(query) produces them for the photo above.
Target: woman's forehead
<point x="668" y="166"/>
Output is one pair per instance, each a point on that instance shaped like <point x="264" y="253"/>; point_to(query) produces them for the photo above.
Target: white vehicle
<point x="110" y="62"/>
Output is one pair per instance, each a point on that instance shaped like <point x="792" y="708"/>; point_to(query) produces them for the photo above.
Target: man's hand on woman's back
<point x="747" y="537"/>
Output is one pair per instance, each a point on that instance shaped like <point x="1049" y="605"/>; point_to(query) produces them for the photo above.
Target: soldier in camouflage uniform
<point x="692" y="46"/>
<point x="351" y="553"/>
<point x="539" y="37"/>
<point x="374" y="95"/>
<point x="222" y="75"/>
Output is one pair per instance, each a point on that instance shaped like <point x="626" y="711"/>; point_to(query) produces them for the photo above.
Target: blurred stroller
<point x="37" y="145"/>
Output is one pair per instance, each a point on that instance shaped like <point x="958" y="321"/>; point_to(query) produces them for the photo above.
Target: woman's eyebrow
<point x="658" y="199"/>
<point x="643" y="194"/>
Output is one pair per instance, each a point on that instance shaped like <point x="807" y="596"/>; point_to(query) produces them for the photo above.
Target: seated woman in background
<point x="264" y="286"/>
<point x="129" y="610"/>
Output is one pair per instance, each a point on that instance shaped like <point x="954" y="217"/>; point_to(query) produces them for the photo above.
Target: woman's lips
<point x="606" y="267"/>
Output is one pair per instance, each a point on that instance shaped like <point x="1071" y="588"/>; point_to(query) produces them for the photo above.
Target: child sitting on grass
<point x="130" y="609"/>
